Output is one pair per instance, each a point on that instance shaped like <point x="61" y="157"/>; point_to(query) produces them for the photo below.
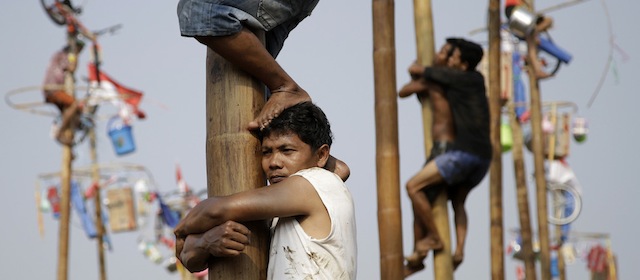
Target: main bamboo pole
<point x="538" y="160"/>
<point x="495" y="179"/>
<point x="233" y="157"/>
<point x="65" y="176"/>
<point x="522" y="196"/>
<point x="387" y="158"/>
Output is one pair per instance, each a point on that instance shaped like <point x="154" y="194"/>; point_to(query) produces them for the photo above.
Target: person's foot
<point x="415" y="261"/>
<point x="409" y="269"/>
<point x="457" y="259"/>
<point x="424" y="245"/>
<point x="64" y="139"/>
<point x="280" y="99"/>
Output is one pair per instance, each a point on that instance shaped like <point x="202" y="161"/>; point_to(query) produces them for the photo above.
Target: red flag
<point x="182" y="185"/>
<point x="128" y="95"/>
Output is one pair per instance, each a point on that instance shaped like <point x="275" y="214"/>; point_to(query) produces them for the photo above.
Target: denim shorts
<point x="226" y="17"/>
<point x="459" y="170"/>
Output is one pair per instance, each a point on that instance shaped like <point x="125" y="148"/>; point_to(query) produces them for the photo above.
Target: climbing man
<point x="313" y="228"/>
<point x="62" y="62"/>
<point x="225" y="27"/>
<point x="461" y="151"/>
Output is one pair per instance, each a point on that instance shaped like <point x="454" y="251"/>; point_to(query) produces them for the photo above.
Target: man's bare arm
<point x="338" y="167"/>
<point x="277" y="200"/>
<point x="226" y="240"/>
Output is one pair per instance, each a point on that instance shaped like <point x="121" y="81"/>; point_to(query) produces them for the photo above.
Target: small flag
<point x="182" y="185"/>
<point x="106" y="88"/>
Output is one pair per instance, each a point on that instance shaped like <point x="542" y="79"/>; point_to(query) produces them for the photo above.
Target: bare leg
<point x="532" y="53"/>
<point x="461" y="222"/>
<point x="69" y="119"/>
<point x="245" y="50"/>
<point x="427" y="238"/>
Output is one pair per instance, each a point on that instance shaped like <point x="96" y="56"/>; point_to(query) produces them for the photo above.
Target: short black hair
<point x="470" y="52"/>
<point x="305" y="120"/>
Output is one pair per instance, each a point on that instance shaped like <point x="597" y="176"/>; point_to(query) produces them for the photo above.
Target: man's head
<point x="299" y="138"/>
<point x="460" y="53"/>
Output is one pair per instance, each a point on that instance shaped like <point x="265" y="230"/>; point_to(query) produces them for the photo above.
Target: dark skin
<point x="210" y="228"/>
<point x="425" y="232"/>
<point x="245" y="50"/>
<point x="71" y="107"/>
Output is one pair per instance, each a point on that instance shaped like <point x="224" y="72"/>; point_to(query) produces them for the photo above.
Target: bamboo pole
<point x="65" y="176"/>
<point x="387" y="158"/>
<point x="495" y="183"/>
<point x="95" y="177"/>
<point x="233" y="157"/>
<point x="423" y="17"/>
<point x="522" y="195"/>
<point x="538" y="159"/>
<point x="423" y="21"/>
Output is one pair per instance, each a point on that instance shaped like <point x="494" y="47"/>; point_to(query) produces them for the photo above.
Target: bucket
<point x="121" y="136"/>
<point x="522" y="22"/>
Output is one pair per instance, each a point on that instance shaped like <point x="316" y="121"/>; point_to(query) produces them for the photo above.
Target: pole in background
<point x="495" y="183"/>
<point x="387" y="158"/>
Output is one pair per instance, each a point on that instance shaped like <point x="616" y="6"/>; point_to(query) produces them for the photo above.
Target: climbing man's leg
<point x="427" y="238"/>
<point x="245" y="50"/>
<point x="458" y="199"/>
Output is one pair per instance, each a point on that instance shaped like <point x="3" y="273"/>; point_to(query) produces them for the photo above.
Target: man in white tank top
<point x="314" y="231"/>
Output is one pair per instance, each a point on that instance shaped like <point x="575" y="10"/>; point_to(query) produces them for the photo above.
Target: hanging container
<point x="522" y="22"/>
<point x="121" y="136"/>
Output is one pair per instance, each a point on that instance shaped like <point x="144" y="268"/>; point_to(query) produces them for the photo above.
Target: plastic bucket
<point x="522" y="22"/>
<point x="121" y="136"/>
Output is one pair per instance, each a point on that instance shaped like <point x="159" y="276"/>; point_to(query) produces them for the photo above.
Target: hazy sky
<point x="329" y="54"/>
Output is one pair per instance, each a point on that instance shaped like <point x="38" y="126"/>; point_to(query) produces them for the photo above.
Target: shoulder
<point x="316" y="173"/>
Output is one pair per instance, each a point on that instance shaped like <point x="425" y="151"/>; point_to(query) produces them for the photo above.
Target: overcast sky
<point x="330" y="55"/>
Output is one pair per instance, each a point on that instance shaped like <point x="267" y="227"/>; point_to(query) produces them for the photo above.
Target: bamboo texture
<point x="387" y="158"/>
<point x="233" y="99"/>
<point x="495" y="171"/>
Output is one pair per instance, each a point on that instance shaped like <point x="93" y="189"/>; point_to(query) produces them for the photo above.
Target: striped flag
<point x="105" y="88"/>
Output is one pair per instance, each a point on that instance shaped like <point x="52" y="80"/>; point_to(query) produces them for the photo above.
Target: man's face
<point x="448" y="58"/>
<point x="285" y="154"/>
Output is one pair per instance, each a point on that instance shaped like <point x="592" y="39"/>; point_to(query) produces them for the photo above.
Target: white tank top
<point x="296" y="255"/>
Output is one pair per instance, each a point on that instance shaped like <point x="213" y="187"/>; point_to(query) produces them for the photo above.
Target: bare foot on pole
<point x="409" y="269"/>
<point x="280" y="99"/>
<point x="415" y="261"/>
<point x="457" y="259"/>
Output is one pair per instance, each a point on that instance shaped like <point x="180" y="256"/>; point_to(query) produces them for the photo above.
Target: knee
<point x="412" y="189"/>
